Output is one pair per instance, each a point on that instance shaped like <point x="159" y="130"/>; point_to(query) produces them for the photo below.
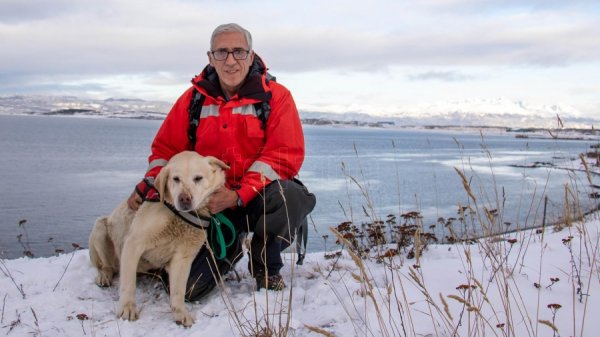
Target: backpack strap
<point x="263" y="110"/>
<point x="270" y="78"/>
<point x="194" y="110"/>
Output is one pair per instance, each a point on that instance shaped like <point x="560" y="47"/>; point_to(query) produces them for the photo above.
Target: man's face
<point x="231" y="72"/>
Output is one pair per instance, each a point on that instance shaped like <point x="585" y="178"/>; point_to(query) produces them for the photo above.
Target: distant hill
<point x="500" y="112"/>
<point x="75" y="106"/>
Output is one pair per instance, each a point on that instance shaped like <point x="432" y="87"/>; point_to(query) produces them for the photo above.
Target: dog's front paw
<point x="182" y="317"/>
<point x="128" y="311"/>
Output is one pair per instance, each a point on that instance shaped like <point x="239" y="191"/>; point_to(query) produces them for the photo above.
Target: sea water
<point x="60" y="173"/>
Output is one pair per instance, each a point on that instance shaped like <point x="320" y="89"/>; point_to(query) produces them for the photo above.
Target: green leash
<point x="216" y="221"/>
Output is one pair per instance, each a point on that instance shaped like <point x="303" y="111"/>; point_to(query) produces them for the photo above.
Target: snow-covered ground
<point x="522" y="284"/>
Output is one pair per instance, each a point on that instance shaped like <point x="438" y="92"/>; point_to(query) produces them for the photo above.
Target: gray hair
<point x="230" y="28"/>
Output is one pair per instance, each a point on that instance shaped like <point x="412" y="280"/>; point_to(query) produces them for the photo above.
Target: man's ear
<point x="161" y="183"/>
<point x="210" y="60"/>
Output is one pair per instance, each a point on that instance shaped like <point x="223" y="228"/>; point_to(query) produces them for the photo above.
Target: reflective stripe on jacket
<point x="231" y="131"/>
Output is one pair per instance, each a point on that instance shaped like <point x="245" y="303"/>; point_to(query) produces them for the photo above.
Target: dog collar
<point x="192" y="218"/>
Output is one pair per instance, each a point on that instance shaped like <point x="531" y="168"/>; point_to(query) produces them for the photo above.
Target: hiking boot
<point x="273" y="282"/>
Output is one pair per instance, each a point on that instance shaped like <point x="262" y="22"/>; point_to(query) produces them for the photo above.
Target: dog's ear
<point x="161" y="182"/>
<point x="217" y="163"/>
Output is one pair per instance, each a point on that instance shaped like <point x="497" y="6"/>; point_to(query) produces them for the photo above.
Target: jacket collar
<point x="254" y="86"/>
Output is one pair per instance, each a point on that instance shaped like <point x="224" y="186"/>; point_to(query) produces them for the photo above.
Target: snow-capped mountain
<point x="501" y="112"/>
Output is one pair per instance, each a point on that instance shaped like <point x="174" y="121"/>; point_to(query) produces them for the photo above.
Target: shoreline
<point x="563" y="222"/>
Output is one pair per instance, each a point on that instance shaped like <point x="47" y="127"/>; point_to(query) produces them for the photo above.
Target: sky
<point x="377" y="57"/>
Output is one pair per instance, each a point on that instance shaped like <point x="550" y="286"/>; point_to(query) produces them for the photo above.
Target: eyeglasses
<point x="223" y="54"/>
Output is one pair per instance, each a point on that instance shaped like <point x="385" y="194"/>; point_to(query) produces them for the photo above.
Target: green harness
<point x="215" y="230"/>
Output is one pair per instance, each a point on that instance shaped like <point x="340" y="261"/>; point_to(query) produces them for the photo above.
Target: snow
<point x="341" y="296"/>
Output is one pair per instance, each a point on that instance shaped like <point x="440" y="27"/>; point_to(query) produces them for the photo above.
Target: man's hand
<point x="134" y="201"/>
<point x="143" y="191"/>
<point x="223" y="198"/>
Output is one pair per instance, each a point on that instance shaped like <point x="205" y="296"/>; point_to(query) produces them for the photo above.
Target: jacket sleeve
<point x="171" y="137"/>
<point x="283" y="153"/>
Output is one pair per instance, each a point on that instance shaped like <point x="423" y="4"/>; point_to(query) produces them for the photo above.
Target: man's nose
<point x="230" y="59"/>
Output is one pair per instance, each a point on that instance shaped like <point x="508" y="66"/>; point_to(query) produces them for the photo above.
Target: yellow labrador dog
<point x="153" y="237"/>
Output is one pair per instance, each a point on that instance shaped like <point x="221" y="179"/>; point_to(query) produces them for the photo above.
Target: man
<point x="261" y="194"/>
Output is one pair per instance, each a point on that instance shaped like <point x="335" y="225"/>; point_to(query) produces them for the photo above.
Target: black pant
<point x="273" y="216"/>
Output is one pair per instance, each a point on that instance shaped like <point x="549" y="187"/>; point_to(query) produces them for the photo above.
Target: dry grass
<point x="489" y="302"/>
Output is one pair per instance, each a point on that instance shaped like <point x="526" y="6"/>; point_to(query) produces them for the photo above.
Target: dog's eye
<point x="197" y="179"/>
<point x="176" y="179"/>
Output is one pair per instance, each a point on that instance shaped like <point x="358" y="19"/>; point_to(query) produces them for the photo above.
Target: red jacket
<point x="230" y="131"/>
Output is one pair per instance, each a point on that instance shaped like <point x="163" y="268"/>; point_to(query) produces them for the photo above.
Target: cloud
<point x="152" y="45"/>
<point x="446" y="76"/>
<point x="17" y="11"/>
<point x="136" y="36"/>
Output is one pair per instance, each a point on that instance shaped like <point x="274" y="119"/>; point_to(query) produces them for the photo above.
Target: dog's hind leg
<point x="102" y="253"/>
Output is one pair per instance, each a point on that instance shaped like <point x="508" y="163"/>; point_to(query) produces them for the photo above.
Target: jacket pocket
<point x="253" y="127"/>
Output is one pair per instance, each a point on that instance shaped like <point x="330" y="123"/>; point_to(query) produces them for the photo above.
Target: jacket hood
<point x="255" y="86"/>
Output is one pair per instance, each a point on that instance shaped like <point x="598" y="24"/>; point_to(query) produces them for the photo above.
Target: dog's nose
<point x="185" y="202"/>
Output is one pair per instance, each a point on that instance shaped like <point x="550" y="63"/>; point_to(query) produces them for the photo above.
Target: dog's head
<point x="189" y="179"/>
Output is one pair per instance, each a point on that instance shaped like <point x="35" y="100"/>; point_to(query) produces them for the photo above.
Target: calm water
<point x="61" y="173"/>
